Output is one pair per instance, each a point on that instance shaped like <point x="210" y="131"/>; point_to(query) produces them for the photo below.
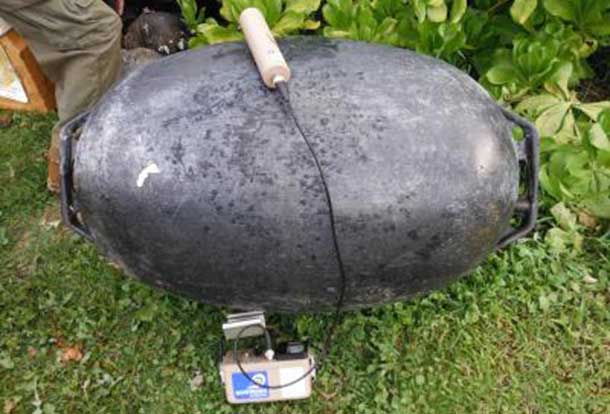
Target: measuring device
<point x="285" y="373"/>
<point x="256" y="375"/>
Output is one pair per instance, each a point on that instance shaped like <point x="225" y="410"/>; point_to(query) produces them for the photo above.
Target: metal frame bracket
<point x="239" y="322"/>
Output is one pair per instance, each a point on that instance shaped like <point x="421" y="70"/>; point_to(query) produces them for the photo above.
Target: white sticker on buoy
<point x="150" y="169"/>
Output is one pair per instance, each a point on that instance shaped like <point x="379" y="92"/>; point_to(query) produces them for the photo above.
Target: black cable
<point x="252" y="380"/>
<point x="283" y="89"/>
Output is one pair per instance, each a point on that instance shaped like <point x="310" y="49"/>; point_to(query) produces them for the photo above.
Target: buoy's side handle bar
<point x="530" y="156"/>
<point x="269" y="59"/>
<point x="69" y="211"/>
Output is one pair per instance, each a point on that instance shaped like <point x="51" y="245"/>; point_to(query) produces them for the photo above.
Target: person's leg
<point x="78" y="45"/>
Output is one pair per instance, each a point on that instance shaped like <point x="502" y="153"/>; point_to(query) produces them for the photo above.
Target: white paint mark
<point x="150" y="169"/>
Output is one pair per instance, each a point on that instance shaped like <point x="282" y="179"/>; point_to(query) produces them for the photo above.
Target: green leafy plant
<point x="589" y="16"/>
<point x="557" y="117"/>
<point x="190" y="15"/>
<point x="437" y="11"/>
<point x="521" y="10"/>
<point x="367" y="21"/>
<point x="394" y="22"/>
<point x="565" y="238"/>
<point x="579" y="173"/>
<point x="283" y="17"/>
<point x="443" y="40"/>
<point x="552" y="59"/>
<point x="525" y="68"/>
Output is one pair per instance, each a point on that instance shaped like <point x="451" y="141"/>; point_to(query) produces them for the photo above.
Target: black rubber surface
<point x="419" y="162"/>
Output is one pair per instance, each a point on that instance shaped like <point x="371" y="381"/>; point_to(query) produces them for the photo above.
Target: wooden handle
<point x="265" y="51"/>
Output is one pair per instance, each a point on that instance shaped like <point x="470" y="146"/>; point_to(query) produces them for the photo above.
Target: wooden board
<point x="23" y="86"/>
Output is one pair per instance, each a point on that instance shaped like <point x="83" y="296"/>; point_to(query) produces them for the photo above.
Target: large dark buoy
<point x="192" y="176"/>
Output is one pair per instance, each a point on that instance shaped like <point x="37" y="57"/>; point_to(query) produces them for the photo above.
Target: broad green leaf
<point x="599" y="205"/>
<point x="502" y="74"/>
<point x="214" y="33"/>
<point x="458" y="8"/>
<point x="332" y="32"/>
<point x="560" y="8"/>
<point x="311" y="24"/>
<point x="272" y="11"/>
<point x="568" y="133"/>
<point x="407" y="32"/>
<point x="598" y="137"/>
<point x="365" y="24"/>
<point x="197" y="41"/>
<point x="289" y="22"/>
<point x="603" y="158"/>
<point x="551" y="120"/>
<point x="548" y="144"/>
<point x="420" y="7"/>
<point x="437" y="14"/>
<point x="593" y="109"/>
<point x="226" y="10"/>
<point x="534" y="105"/>
<point x="190" y="15"/>
<point x="604" y="120"/>
<point x="302" y="6"/>
<point x="600" y="29"/>
<point x="453" y="37"/>
<point x="576" y="164"/>
<point x="387" y="27"/>
<point x="562" y="76"/>
<point x="557" y="162"/>
<point x="521" y="10"/>
<point x="338" y="13"/>
<point x="201" y="15"/>
<point x="388" y="8"/>
<point x="566" y="193"/>
<point x="549" y="182"/>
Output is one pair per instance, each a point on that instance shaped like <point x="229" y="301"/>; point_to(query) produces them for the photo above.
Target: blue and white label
<point x="244" y="389"/>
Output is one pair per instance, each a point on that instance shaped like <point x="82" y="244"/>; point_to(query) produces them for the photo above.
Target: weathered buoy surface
<point x="191" y="175"/>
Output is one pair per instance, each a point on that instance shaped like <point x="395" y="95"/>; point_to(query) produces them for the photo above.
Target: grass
<point x="527" y="332"/>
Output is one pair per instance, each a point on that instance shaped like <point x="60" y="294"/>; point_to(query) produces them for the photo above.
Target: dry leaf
<point x="587" y="220"/>
<point x="72" y="353"/>
<point x="9" y="406"/>
<point x="51" y="218"/>
<point x="32" y="352"/>
<point x="6" y="120"/>
<point x="328" y="396"/>
<point x="196" y="381"/>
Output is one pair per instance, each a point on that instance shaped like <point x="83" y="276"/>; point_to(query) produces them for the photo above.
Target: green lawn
<point x="527" y="332"/>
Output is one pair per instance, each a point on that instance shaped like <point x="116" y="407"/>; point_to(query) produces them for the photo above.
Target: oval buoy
<point x="191" y="175"/>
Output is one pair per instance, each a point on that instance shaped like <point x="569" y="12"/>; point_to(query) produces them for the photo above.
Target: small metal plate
<point x="239" y="322"/>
